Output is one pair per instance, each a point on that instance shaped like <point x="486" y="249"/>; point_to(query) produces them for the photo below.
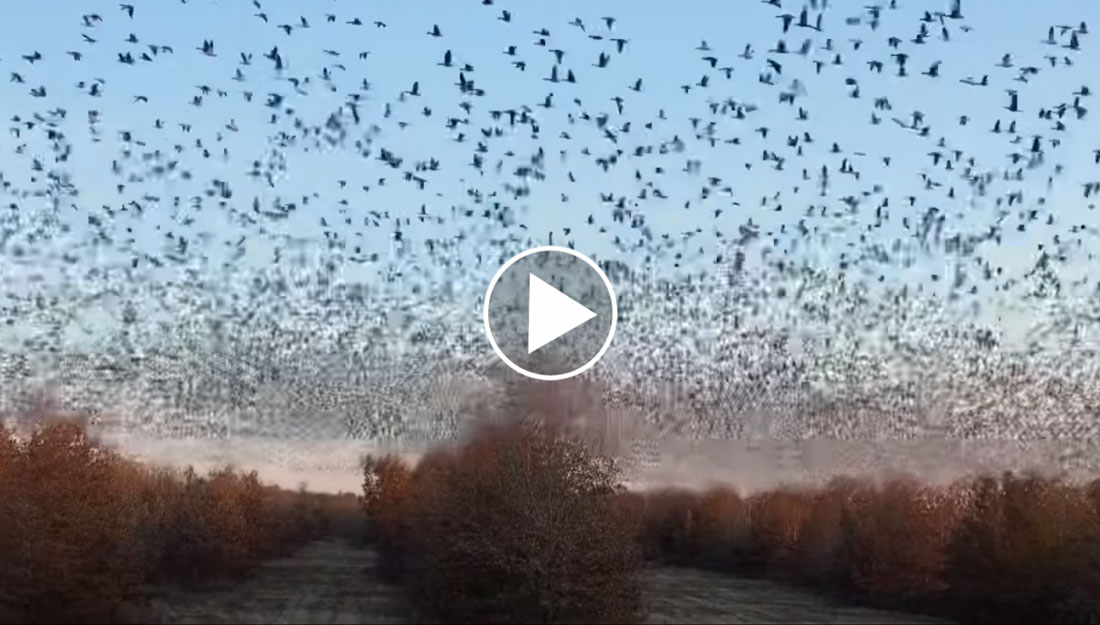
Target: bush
<point x="1025" y="550"/>
<point x="820" y="549"/>
<point x="720" y="523"/>
<point x="893" y="543"/>
<point x="1002" y="549"/>
<point x="386" y="490"/>
<point x="69" y="515"/>
<point x="518" y="525"/>
<point x="776" y="523"/>
<point x="667" y="532"/>
<point x="83" y="530"/>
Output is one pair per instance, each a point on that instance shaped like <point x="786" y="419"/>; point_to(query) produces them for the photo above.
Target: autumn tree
<point x="519" y="525"/>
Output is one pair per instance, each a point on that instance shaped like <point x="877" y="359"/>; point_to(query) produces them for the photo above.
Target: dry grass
<point x="84" y="531"/>
<point x="519" y="525"/>
<point x="1005" y="549"/>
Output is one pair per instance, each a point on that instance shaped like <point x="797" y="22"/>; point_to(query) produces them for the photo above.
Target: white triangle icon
<point x="551" y="313"/>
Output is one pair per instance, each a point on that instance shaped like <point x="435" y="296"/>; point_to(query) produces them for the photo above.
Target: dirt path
<point x="324" y="582"/>
<point x="336" y="582"/>
<point x="675" y="595"/>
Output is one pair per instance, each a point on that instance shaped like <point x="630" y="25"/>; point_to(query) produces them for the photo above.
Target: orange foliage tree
<point x="1001" y="549"/>
<point x="83" y="530"/>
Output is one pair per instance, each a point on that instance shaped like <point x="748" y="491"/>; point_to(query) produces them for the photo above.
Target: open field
<point x="683" y="595"/>
<point x="333" y="581"/>
<point x="327" y="581"/>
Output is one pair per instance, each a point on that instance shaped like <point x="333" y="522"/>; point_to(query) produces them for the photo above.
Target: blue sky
<point x="661" y="50"/>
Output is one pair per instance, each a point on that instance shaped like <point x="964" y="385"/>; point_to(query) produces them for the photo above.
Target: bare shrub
<point x="517" y="525"/>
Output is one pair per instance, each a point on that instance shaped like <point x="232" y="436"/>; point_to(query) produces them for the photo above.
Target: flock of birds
<point x="289" y="229"/>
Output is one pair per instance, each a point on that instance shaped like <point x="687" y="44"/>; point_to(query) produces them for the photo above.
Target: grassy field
<point x="326" y="581"/>
<point x="337" y="581"/>
<point x="690" y="595"/>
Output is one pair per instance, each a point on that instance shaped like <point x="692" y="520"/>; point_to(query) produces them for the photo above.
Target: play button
<point x="550" y="313"/>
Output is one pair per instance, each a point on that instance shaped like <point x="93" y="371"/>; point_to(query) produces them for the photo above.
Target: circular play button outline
<point x="610" y="333"/>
